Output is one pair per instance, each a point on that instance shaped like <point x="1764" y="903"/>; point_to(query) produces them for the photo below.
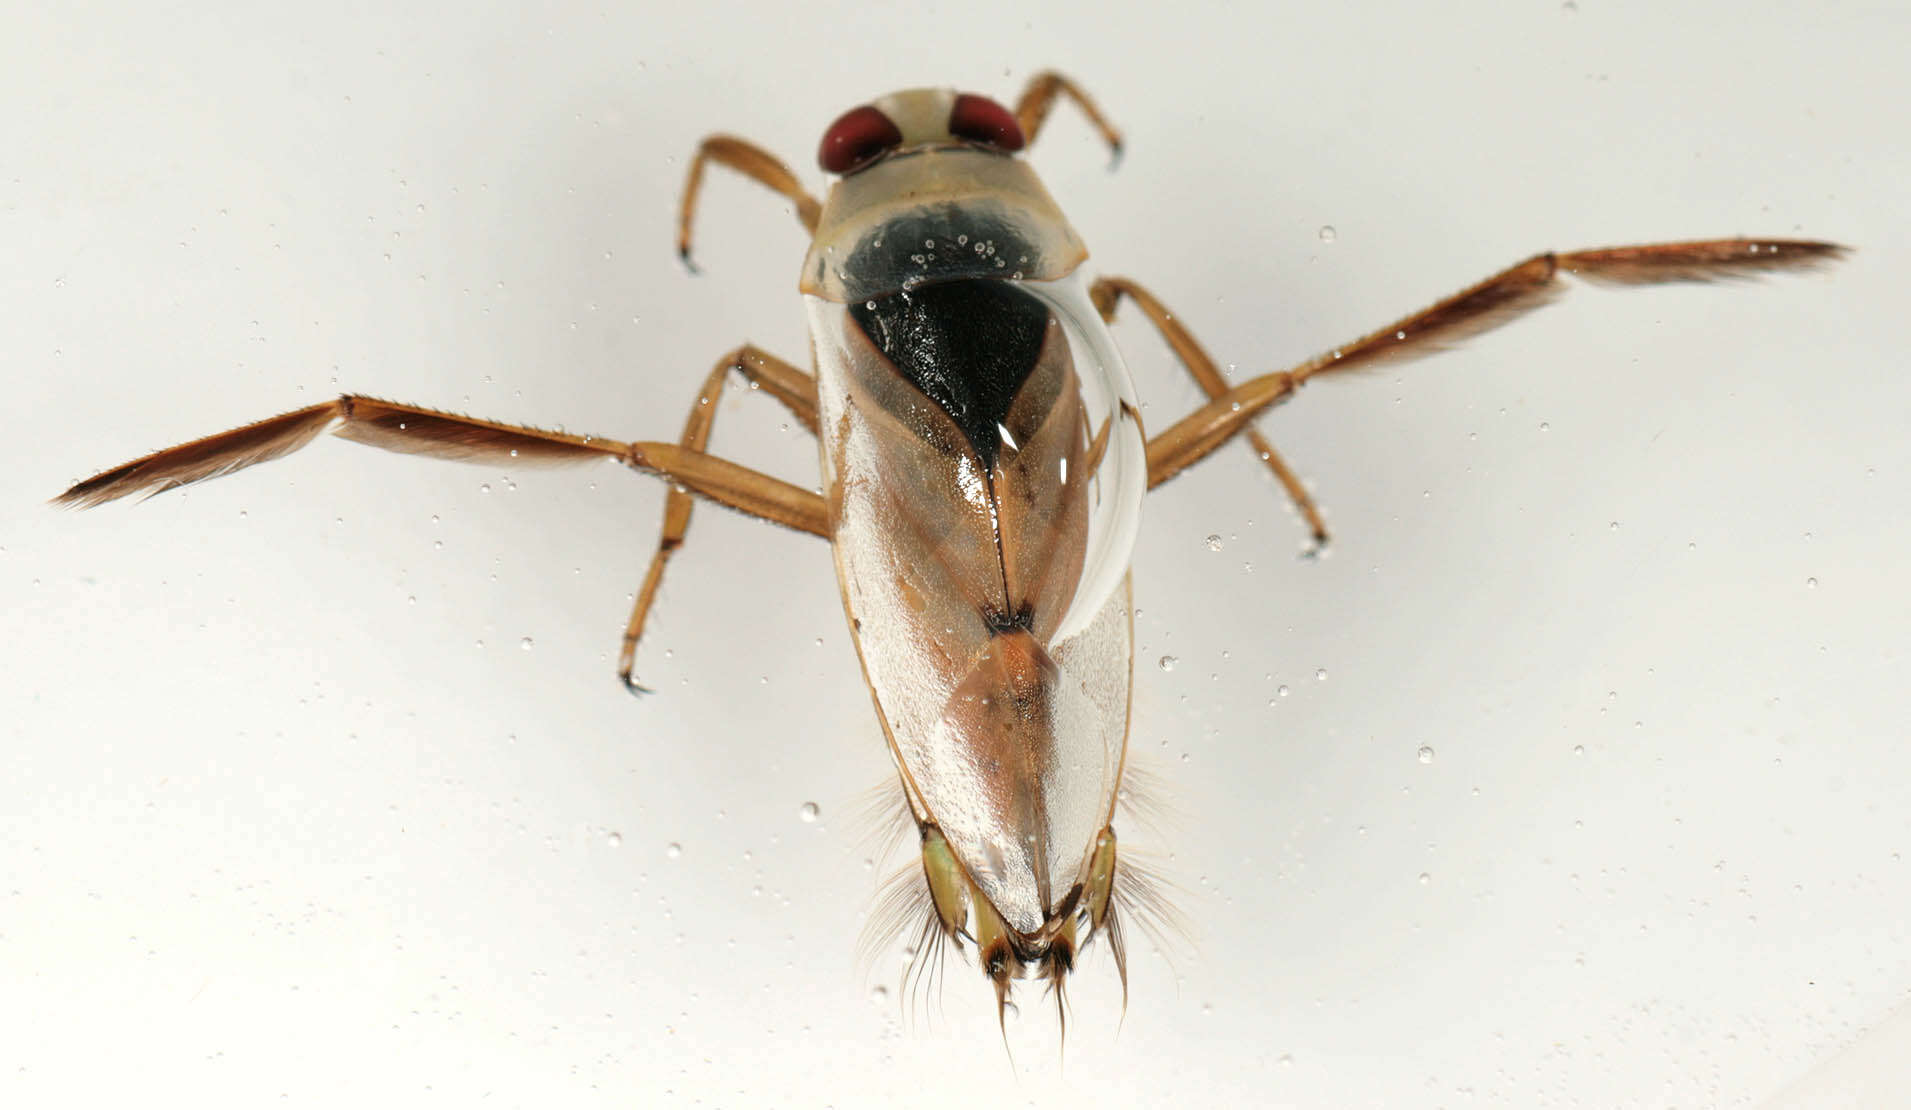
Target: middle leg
<point x="792" y="387"/>
<point x="1107" y="294"/>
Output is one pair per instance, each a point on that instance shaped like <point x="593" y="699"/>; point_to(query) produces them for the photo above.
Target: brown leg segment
<point x="788" y="384"/>
<point x="751" y="161"/>
<point x="1031" y="111"/>
<point x="420" y="431"/>
<point x="1107" y="294"/>
<point x="1481" y="307"/>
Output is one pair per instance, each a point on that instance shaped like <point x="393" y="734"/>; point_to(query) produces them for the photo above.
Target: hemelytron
<point x="983" y="466"/>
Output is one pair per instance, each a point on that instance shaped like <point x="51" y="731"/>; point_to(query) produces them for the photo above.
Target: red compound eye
<point x="981" y="120"/>
<point x="857" y="136"/>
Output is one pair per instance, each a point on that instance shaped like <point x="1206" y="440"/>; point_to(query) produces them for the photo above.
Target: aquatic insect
<point x="983" y="465"/>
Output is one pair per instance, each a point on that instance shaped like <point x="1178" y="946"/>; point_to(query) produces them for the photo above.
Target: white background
<point x="288" y="813"/>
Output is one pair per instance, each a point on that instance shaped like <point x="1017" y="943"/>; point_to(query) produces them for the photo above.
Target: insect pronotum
<point x="983" y="464"/>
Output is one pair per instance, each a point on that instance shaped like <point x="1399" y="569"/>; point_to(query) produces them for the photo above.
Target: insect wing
<point x="985" y="470"/>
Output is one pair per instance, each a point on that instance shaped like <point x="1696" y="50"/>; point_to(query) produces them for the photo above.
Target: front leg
<point x="1031" y="111"/>
<point x="751" y="161"/>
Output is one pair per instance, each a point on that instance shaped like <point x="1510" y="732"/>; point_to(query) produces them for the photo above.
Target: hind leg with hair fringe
<point x="1510" y="293"/>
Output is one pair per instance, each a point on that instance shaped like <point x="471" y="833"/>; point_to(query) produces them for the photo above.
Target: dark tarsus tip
<point x="1115" y="152"/>
<point x="683" y="256"/>
<point x="636" y="688"/>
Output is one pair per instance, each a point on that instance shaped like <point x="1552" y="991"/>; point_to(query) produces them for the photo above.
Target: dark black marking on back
<point x="944" y="242"/>
<point x="968" y="345"/>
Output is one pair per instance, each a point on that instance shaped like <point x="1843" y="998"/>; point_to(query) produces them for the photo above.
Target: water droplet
<point x="1425" y="878"/>
<point x="484" y="487"/>
<point x="1281" y="692"/>
<point x="1579" y="749"/>
<point x="1328" y="234"/>
<point x="1320" y="675"/>
<point x="1168" y="662"/>
<point x="1545" y="427"/>
<point x="1214" y="542"/>
<point x="879" y="994"/>
<point x="673" y="850"/>
<point x="1425" y="754"/>
<point x="614" y="839"/>
<point x="1811" y="583"/>
<point x="809" y="812"/>
<point x="525" y="643"/>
